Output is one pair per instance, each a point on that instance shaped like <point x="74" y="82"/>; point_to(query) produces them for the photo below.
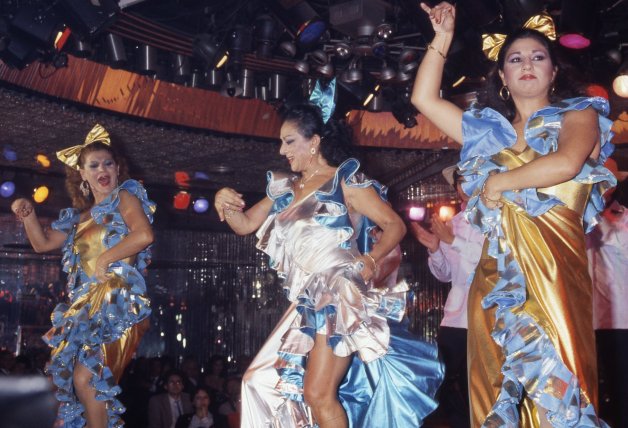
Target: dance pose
<point x="332" y="360"/>
<point x="105" y="239"/>
<point x="532" y="163"/>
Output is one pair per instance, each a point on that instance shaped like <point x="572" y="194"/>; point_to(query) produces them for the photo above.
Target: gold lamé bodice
<point x="574" y="195"/>
<point x="88" y="243"/>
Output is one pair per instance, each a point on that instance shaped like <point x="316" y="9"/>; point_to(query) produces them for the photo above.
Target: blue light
<point x="311" y="32"/>
<point x="201" y="205"/>
<point x="7" y="189"/>
<point x="9" y="154"/>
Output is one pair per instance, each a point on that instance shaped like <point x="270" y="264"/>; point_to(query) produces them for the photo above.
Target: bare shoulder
<point x="584" y="117"/>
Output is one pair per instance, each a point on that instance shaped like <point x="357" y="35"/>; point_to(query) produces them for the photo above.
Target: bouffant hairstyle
<point x="73" y="178"/>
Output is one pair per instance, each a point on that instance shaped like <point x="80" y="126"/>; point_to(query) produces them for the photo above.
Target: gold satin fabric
<point x="88" y="243"/>
<point x="550" y="251"/>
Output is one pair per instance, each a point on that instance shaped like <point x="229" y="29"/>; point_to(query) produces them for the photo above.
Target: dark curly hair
<point x="567" y="82"/>
<point x="336" y="137"/>
<point x="73" y="177"/>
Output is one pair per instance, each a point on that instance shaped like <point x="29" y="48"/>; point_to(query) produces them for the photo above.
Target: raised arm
<point x="139" y="237"/>
<point x="426" y="91"/>
<point x="230" y="205"/>
<point x="367" y="202"/>
<point x="41" y="240"/>
<point x="579" y="139"/>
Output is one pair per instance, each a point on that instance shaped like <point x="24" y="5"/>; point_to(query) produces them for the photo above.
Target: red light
<point x="182" y="179"/>
<point x="597" y="91"/>
<point x="574" y="41"/>
<point x="182" y="200"/>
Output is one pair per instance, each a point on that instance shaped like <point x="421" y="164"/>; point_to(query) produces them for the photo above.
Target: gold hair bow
<point x="543" y="23"/>
<point x="70" y="156"/>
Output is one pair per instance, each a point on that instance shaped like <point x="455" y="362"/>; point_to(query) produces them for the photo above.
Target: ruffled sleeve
<point x="279" y="189"/>
<point x="348" y="172"/>
<point x="68" y="218"/>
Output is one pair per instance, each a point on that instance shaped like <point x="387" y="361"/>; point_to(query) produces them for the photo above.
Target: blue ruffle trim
<point x="531" y="360"/>
<point x="282" y="195"/>
<point x="82" y="336"/>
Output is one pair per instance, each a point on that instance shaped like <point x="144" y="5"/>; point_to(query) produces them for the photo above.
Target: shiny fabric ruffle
<point x="336" y="215"/>
<point x="80" y="329"/>
<point x="529" y="353"/>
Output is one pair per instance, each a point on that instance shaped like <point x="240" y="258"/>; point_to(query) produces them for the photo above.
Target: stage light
<point x="147" y="60"/>
<point x="181" y="68"/>
<point x="206" y="48"/>
<point x="302" y="66"/>
<point x="182" y="179"/>
<point x="266" y="35"/>
<point x="288" y="48"/>
<point x="116" y="51"/>
<point x="9" y="154"/>
<point x="230" y="88"/>
<point x="386" y="73"/>
<point x="576" y="24"/>
<point x="214" y="77"/>
<point x="416" y="213"/>
<point x="88" y="18"/>
<point x="326" y="70"/>
<point x="301" y="21"/>
<point x="384" y="31"/>
<point x="40" y="194"/>
<point x="277" y="86"/>
<point x="446" y="212"/>
<point x="574" y="41"/>
<point x="248" y="83"/>
<point x="43" y="160"/>
<point x="597" y="91"/>
<point x="200" y="175"/>
<point x="182" y="200"/>
<point x="458" y="82"/>
<point x="620" y="85"/>
<point x="201" y="205"/>
<point x="343" y="50"/>
<point x="7" y="189"/>
<point x="352" y="74"/>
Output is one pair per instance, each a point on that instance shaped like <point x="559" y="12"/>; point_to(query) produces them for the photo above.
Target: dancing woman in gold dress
<point x="533" y="168"/>
<point x="105" y="239"/>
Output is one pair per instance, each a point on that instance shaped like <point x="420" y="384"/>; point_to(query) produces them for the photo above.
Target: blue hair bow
<point x="325" y="98"/>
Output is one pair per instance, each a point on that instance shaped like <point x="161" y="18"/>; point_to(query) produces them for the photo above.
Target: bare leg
<point x="323" y="373"/>
<point x="95" y="411"/>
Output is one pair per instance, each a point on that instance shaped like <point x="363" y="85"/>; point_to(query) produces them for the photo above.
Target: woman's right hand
<point x="22" y="208"/>
<point x="227" y="199"/>
<point x="442" y="16"/>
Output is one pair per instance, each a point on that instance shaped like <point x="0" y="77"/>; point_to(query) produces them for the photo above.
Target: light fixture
<point x="214" y="77"/>
<point x="620" y="85"/>
<point x="326" y="70"/>
<point x="446" y="213"/>
<point x="261" y="92"/>
<point x="266" y="34"/>
<point x="379" y="49"/>
<point x="277" y="86"/>
<point x="417" y="213"/>
<point x="459" y="81"/>
<point x="9" y="153"/>
<point x="352" y="74"/>
<point x="147" y="60"/>
<point x="82" y="48"/>
<point x="247" y="80"/>
<point x="182" y="200"/>
<point x="319" y="57"/>
<point x="302" y="65"/>
<point x="371" y="95"/>
<point x="230" y="87"/>
<point x="40" y="194"/>
<point x="42" y="160"/>
<point x="376" y="103"/>
<point x="116" y="51"/>
<point x="7" y="189"/>
<point x="288" y="48"/>
<point x="209" y="50"/>
<point x="576" y="24"/>
<point x="386" y="73"/>
<point x="384" y="31"/>
<point x="301" y="21"/>
<point x="594" y="90"/>
<point x="88" y="18"/>
<point x="197" y="79"/>
<point x="343" y="50"/>
<point x="201" y="205"/>
<point x="181" y="66"/>
<point x="182" y="179"/>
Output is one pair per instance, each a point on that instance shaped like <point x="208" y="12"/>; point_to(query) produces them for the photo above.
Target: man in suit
<point x="164" y="409"/>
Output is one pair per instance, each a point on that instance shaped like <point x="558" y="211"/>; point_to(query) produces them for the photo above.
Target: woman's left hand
<point x="489" y="196"/>
<point x="368" y="267"/>
<point x="100" y="272"/>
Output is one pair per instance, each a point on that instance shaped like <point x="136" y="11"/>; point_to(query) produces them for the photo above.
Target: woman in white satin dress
<point x="315" y="224"/>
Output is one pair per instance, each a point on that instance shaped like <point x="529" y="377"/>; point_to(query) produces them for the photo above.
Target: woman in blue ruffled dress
<point x="338" y="357"/>
<point x="105" y="239"/>
<point x="533" y="165"/>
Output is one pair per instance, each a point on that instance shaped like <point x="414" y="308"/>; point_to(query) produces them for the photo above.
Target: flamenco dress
<point x="313" y="244"/>
<point x="102" y="325"/>
<point x="531" y="341"/>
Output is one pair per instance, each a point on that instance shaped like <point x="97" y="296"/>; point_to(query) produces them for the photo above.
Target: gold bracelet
<point x="483" y="194"/>
<point x="373" y="260"/>
<point x="429" y="46"/>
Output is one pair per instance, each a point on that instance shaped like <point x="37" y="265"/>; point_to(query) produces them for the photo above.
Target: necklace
<point x="302" y="183"/>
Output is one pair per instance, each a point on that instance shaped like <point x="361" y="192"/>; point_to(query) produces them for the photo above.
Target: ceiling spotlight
<point x="40" y="194"/>
<point x="214" y="77"/>
<point x="379" y="49"/>
<point x="343" y="50"/>
<point x="181" y="68"/>
<point x="266" y="34"/>
<point x="248" y="83"/>
<point x="288" y="48"/>
<point x="319" y="57"/>
<point x="302" y="65"/>
<point x="230" y="87"/>
<point x="7" y="189"/>
<point x="326" y="70"/>
<point x="206" y="48"/>
<point x="386" y="73"/>
<point x="384" y="31"/>
<point x="147" y="60"/>
<point x="408" y="55"/>
<point x="403" y="77"/>
<point x="117" y="52"/>
<point x="352" y="74"/>
<point x="408" y="67"/>
<point x="277" y="86"/>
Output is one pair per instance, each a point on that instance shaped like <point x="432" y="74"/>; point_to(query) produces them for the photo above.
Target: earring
<point x="504" y="93"/>
<point x="553" y="90"/>
<point x="313" y="151"/>
<point x="84" y="186"/>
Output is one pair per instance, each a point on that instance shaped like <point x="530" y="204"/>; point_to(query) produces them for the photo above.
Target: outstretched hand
<point x="442" y="16"/>
<point x="430" y="240"/>
<point x="227" y="200"/>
